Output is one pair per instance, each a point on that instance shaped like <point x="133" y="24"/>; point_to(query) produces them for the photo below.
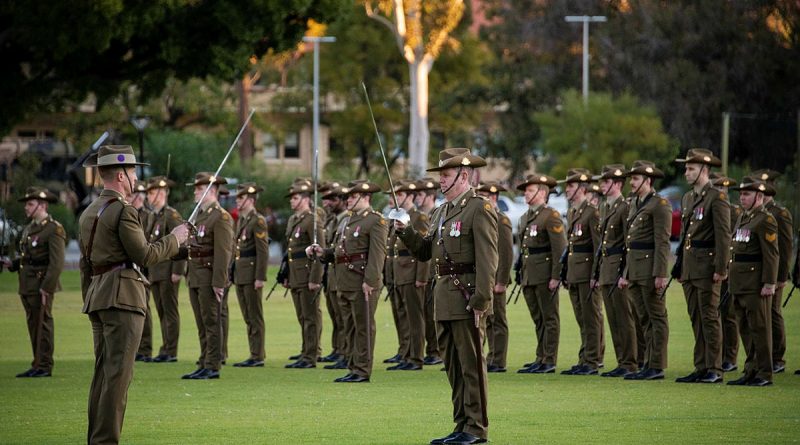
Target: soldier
<point x="425" y="201"/>
<point x="583" y="238"/>
<point x="330" y="210"/>
<point x="398" y="306"/>
<point x="113" y="248"/>
<point x="542" y="243"/>
<point x="463" y="242"/>
<point x="727" y="313"/>
<point x="705" y="231"/>
<point x="359" y="256"/>
<point x="222" y="194"/>
<point x="305" y="273"/>
<point x="608" y="269"/>
<point x="40" y="262"/>
<point x="785" y="241"/>
<point x="210" y="254"/>
<point x="334" y="202"/>
<point x="250" y="269"/>
<point x="647" y="254"/>
<point x="497" y="322"/>
<point x="165" y="277"/>
<point x="410" y="279"/>
<point x="139" y="202"/>
<point x="754" y="274"/>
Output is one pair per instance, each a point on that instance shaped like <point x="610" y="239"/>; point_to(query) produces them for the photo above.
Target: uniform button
<point x="647" y="256"/>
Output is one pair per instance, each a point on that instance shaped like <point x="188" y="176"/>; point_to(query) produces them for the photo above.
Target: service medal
<point x="355" y="234"/>
<point x="34" y="241"/>
<point x="579" y="230"/>
<point x="201" y="231"/>
<point x="297" y="233"/>
<point x="747" y="235"/>
<point x="457" y="229"/>
<point x="534" y="232"/>
<point x="156" y="232"/>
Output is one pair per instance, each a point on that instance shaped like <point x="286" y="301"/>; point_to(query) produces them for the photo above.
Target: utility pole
<point x="585" y="19"/>
<point x="726" y="135"/>
<point x="315" y="129"/>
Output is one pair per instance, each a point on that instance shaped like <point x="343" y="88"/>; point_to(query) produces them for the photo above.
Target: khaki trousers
<point x="543" y="307"/>
<point x="730" y="329"/>
<point x="400" y="317"/>
<point x="165" y="298"/>
<point x="116" y="334"/>
<point x="754" y="313"/>
<point x="588" y="308"/>
<point x="207" y="315"/>
<point x="42" y="343"/>
<point x="462" y="353"/>
<point x="497" y="332"/>
<point x="702" y="303"/>
<point x="360" y="315"/>
<point x="253" y="314"/>
<point x="431" y="338"/>
<point x="651" y="310"/>
<point x="146" y="344"/>
<point x="308" y="304"/>
<point x="414" y="302"/>
<point x="778" y="328"/>
<point x="337" y="324"/>
<point x="622" y="323"/>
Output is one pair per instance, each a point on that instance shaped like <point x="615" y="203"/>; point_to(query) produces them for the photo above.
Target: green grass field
<point x="277" y="405"/>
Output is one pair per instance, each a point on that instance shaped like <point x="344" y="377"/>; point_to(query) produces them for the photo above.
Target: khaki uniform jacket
<point x="649" y="223"/>
<point x="583" y="236"/>
<point x="613" y="220"/>
<point x="360" y="251"/>
<point x="332" y="223"/>
<point x="705" y="229"/>
<point x="505" y="249"/>
<point x="736" y="212"/>
<point x="299" y="235"/>
<point x="118" y="239"/>
<point x="466" y="230"/>
<point x="756" y="235"/>
<point x="251" y="254"/>
<point x="543" y="240"/>
<point x="405" y="268"/>
<point x="785" y="241"/>
<point x="41" y="257"/>
<point x="211" y="248"/>
<point x="161" y="224"/>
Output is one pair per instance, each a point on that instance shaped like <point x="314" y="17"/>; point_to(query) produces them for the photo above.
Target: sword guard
<point x="400" y="214"/>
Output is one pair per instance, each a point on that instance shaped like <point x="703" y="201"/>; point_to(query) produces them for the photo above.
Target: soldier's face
<point x="447" y="177"/>
<point x="533" y="195"/>
<point x="31" y="206"/>
<point x="138" y="200"/>
<point x="156" y="197"/>
<point x="747" y="198"/>
<point x="636" y="181"/>
<point x="403" y="199"/>
<point x="692" y="172"/>
<point x="572" y="190"/>
<point x="198" y="192"/>
<point x="605" y="186"/>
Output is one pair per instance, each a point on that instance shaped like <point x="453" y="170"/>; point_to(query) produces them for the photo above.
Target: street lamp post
<point x="585" y="19"/>
<point x="140" y="123"/>
<point x="315" y="129"/>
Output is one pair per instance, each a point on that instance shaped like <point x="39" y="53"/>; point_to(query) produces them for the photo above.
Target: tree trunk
<point x="246" y="141"/>
<point x="419" y="136"/>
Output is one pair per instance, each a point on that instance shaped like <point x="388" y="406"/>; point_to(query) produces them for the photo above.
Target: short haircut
<point x="108" y="173"/>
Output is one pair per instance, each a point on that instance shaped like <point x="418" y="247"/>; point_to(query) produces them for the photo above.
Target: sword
<point x="794" y="286"/>
<point x="511" y="295"/>
<point x="664" y="293"/>
<point x="193" y="216"/>
<point x="397" y="212"/>
<point x="271" y="290"/>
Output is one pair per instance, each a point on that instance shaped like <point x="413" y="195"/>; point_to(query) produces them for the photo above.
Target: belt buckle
<point x="350" y="266"/>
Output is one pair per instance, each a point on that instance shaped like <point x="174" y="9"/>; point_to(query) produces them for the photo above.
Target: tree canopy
<point x="57" y="52"/>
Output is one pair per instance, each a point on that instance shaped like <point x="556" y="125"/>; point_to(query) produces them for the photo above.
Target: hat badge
<point x="212" y="179"/>
<point x="42" y="195"/>
<point x="344" y="190"/>
<point x="493" y="189"/>
<point x="761" y="187"/>
<point x="162" y="183"/>
<point x="764" y="176"/>
<point x="120" y="158"/>
<point x="649" y="169"/>
<point x="543" y="178"/>
<point x="706" y="158"/>
<point x="412" y="186"/>
<point x="465" y="161"/>
<point x="251" y="190"/>
<point x="429" y="185"/>
<point x="584" y="178"/>
<point x="365" y="186"/>
<point x="617" y="172"/>
<point x="303" y="187"/>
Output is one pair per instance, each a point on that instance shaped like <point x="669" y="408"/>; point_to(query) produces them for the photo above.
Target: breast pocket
<point x="131" y="289"/>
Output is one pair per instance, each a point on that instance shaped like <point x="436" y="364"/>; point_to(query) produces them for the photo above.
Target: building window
<point x="291" y="146"/>
<point x="268" y="146"/>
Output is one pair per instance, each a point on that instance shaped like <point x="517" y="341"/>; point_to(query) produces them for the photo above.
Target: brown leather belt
<point x="402" y="252"/>
<point x="608" y="251"/>
<point x="747" y="258"/>
<point x="454" y="269"/>
<point x="297" y="255"/>
<point x="200" y="253"/>
<point x="35" y="263"/>
<point x="350" y="258"/>
<point x="99" y="270"/>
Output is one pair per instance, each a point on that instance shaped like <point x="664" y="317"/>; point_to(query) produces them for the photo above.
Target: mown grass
<point x="276" y="405"/>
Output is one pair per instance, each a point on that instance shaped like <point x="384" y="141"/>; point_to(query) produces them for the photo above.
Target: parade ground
<point x="280" y="406"/>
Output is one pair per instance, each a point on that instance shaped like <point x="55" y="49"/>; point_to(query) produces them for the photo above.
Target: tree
<point x="421" y="30"/>
<point x="57" y="52"/>
<point x="608" y="130"/>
